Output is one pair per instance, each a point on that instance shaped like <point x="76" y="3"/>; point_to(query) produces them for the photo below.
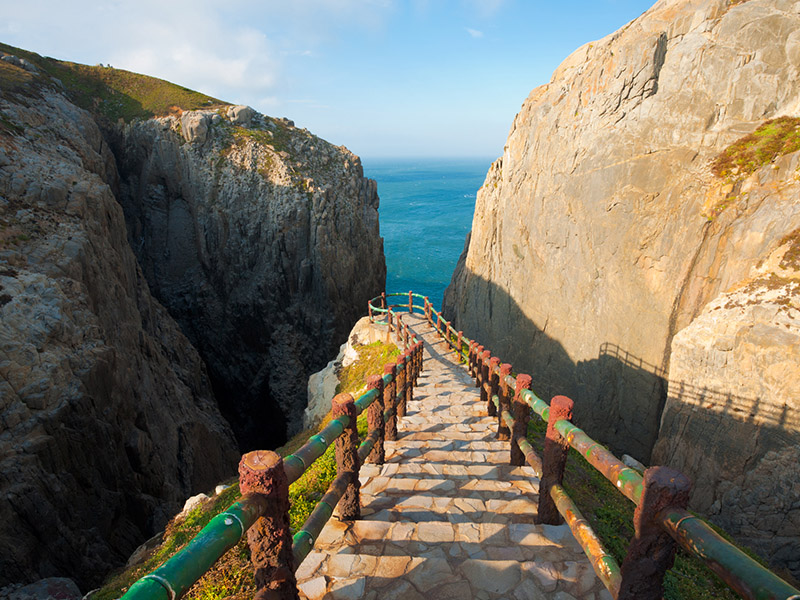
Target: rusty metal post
<point x="270" y="541"/>
<point x="375" y="420"/>
<point x="389" y="327"/>
<point x="410" y="303"/>
<point x="652" y="550"/>
<point x="498" y="387"/>
<point x="347" y="457"/>
<point x="447" y="337"/>
<point x="522" y="414"/>
<point x="427" y="309"/>
<point x="473" y="345"/>
<point x="458" y="344"/>
<point x="405" y="335"/>
<point x="390" y="401"/>
<point x="371" y="320"/>
<point x="409" y="354"/>
<point x="554" y="460"/>
<point x="401" y="386"/>
<point x="502" y="428"/>
<point x="483" y="365"/>
<point x="383" y="299"/>
<point x="493" y="387"/>
<point x="478" y="368"/>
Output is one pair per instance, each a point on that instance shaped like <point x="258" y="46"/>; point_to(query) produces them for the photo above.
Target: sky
<point x="386" y="78"/>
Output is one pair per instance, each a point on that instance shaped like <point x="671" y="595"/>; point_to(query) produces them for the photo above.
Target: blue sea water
<point x="425" y="214"/>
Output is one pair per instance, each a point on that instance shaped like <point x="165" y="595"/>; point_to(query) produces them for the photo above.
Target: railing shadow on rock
<point x="661" y="495"/>
<point x="264" y="479"/>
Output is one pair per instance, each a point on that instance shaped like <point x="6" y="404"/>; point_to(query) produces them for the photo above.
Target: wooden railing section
<point x="661" y="495"/>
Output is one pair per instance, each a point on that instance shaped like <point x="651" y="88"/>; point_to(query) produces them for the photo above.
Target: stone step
<point x="450" y="471"/>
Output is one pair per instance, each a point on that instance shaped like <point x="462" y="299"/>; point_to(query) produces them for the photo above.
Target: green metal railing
<point x="743" y="574"/>
<point x="175" y="576"/>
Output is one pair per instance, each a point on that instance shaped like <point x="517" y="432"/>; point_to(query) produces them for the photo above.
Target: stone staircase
<point x="446" y="517"/>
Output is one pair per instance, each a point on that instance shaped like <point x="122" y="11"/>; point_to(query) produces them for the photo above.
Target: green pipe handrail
<point x="744" y="575"/>
<point x="176" y="575"/>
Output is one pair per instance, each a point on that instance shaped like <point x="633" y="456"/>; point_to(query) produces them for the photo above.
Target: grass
<point x="772" y="139"/>
<point x="611" y="516"/>
<point x="232" y="575"/>
<point x="104" y="91"/>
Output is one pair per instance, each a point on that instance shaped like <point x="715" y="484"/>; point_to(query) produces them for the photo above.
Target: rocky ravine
<point x="108" y="420"/>
<point x="262" y="241"/>
<point x="602" y="232"/>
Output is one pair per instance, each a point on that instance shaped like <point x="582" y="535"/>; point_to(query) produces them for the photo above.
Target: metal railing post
<point x="652" y="550"/>
<point x="483" y="365"/>
<point x="401" y="386"/>
<point x="522" y="414"/>
<point x="458" y="344"/>
<point x="347" y="457"/>
<point x="498" y="387"/>
<point x="554" y="459"/>
<point x="261" y="472"/>
<point x="390" y="400"/>
<point x="375" y="420"/>
<point x="479" y="367"/>
<point x="410" y="303"/>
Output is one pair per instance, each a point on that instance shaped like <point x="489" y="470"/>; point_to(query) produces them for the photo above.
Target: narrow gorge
<point x="627" y="252"/>
<point x="170" y="274"/>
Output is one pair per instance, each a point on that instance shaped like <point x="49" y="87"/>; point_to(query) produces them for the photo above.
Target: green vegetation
<point x="611" y="516"/>
<point x="232" y="575"/>
<point x="773" y="138"/>
<point x="107" y="92"/>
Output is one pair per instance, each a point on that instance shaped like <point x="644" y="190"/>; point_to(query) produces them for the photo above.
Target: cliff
<point x="165" y="258"/>
<point x="611" y="220"/>
<point x="262" y="241"/>
<point x="108" y="417"/>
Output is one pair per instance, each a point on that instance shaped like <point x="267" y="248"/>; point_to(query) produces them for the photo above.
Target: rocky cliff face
<point x="603" y="230"/>
<point x="107" y="417"/>
<point x="262" y="241"/>
<point x="732" y="418"/>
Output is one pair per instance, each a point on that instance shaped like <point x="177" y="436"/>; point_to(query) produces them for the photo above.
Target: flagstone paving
<point x="446" y="517"/>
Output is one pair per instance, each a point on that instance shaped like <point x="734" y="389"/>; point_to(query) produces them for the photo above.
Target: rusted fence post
<point x="458" y="345"/>
<point x="371" y="319"/>
<point x="504" y="369"/>
<point x="522" y="414"/>
<point x="347" y="457"/>
<point x="427" y="309"/>
<point x="399" y="329"/>
<point x="375" y="420"/>
<point x="401" y="386"/>
<point x="410" y="303"/>
<point x="494" y="385"/>
<point x="478" y="367"/>
<point x="652" y="550"/>
<point x="483" y="365"/>
<point x="390" y="401"/>
<point x="405" y="335"/>
<point x="389" y="327"/>
<point x="473" y="345"/>
<point x="383" y="300"/>
<point x="447" y="327"/>
<point x="409" y="358"/>
<point x="498" y="387"/>
<point x="270" y="541"/>
<point x="554" y="460"/>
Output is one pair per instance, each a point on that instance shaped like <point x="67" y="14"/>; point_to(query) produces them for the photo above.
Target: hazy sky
<point x="383" y="77"/>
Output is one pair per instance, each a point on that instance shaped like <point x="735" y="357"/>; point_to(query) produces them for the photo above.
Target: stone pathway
<point x="446" y="517"/>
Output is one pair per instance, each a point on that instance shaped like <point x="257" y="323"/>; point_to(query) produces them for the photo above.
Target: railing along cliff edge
<point x="661" y="495"/>
<point x="264" y="479"/>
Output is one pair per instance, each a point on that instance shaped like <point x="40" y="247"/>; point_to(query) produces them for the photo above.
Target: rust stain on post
<point x="375" y="421"/>
<point x="390" y="400"/>
<point x="652" y="550"/>
<point x="522" y="414"/>
<point x="554" y="460"/>
<point x="347" y="461"/>
<point x="261" y="472"/>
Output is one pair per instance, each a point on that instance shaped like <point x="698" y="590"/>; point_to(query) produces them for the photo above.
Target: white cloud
<point x="474" y="33"/>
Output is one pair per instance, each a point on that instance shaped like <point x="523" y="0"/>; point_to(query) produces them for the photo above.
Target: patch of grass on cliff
<point x="108" y="92"/>
<point x="610" y="515"/>
<point x="773" y="138"/>
<point x="232" y="575"/>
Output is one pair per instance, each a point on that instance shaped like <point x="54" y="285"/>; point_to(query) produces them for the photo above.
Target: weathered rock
<point x="194" y="126"/>
<point x="732" y="418"/>
<point x="263" y="243"/>
<point x="108" y="421"/>
<point x="52" y="588"/>
<point x="322" y="384"/>
<point x="241" y="115"/>
<point x="590" y="246"/>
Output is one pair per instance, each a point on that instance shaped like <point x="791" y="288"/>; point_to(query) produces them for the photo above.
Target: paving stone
<point x="310" y="564"/>
<point x="458" y="590"/>
<point x="495" y="576"/>
<point x="370" y="530"/>
<point x="429" y="573"/>
<point x="435" y="532"/>
<point x="543" y="572"/>
<point x="527" y="590"/>
<point x="313" y="589"/>
<point x="347" y="589"/>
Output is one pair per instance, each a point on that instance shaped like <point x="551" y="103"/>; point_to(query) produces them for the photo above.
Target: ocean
<point x="425" y="213"/>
